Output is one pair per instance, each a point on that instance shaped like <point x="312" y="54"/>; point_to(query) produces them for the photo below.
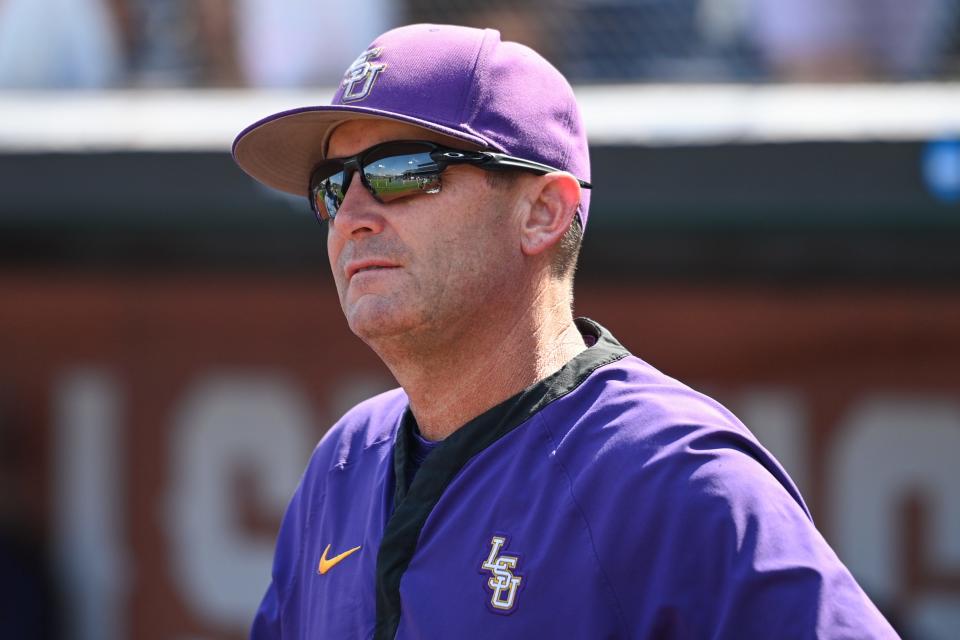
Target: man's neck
<point x="461" y="376"/>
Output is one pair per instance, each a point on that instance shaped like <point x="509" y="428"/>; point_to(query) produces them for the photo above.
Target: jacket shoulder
<point x="368" y="424"/>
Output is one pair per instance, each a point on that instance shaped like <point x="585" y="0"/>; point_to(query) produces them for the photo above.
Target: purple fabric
<point x="636" y="507"/>
<point x="468" y="83"/>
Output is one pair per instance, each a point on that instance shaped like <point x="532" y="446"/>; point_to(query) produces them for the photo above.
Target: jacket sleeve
<point x="271" y="621"/>
<point x="266" y="624"/>
<point x="767" y="571"/>
<point x="717" y="544"/>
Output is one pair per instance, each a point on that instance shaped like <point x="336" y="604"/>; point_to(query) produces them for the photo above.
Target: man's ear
<point x="553" y="203"/>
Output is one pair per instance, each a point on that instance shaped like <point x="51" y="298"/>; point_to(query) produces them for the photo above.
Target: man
<point x="530" y="478"/>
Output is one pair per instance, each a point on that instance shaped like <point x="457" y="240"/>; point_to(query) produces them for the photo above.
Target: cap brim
<point x="282" y="149"/>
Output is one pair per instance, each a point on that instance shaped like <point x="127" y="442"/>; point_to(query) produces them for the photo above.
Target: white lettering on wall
<point x="88" y="499"/>
<point x="228" y="425"/>
<point x="891" y="449"/>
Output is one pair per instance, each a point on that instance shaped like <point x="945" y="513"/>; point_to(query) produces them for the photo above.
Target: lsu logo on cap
<point x="360" y="76"/>
<point x="503" y="582"/>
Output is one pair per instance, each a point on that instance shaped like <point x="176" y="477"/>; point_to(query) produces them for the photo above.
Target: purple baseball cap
<point x="461" y="82"/>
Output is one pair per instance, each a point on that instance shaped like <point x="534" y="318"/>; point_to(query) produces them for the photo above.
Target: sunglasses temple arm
<point x="503" y="162"/>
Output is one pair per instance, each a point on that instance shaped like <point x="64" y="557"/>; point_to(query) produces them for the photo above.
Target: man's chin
<point x="372" y="323"/>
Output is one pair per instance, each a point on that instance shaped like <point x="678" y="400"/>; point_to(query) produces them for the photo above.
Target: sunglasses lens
<point x="397" y="176"/>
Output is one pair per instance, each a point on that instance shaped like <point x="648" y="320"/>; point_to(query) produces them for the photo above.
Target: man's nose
<point x="359" y="212"/>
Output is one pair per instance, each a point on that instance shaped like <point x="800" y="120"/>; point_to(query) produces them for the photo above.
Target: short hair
<point x="568" y="249"/>
<point x="565" y="261"/>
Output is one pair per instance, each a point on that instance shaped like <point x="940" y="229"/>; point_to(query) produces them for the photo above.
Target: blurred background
<point x="775" y="220"/>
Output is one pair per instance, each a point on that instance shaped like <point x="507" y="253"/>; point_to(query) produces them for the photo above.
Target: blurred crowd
<point x="182" y="43"/>
<point x="302" y="43"/>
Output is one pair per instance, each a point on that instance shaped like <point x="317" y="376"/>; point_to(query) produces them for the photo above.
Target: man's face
<point x="426" y="266"/>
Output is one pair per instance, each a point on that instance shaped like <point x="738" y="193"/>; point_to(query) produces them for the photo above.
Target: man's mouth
<point x="354" y="269"/>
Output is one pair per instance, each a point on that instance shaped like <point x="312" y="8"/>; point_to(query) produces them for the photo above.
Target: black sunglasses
<point x="402" y="168"/>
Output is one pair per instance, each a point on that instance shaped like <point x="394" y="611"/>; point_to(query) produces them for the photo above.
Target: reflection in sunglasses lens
<point x="399" y="176"/>
<point x="332" y="191"/>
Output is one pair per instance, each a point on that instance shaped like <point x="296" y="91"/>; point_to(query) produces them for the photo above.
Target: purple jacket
<point x="606" y="501"/>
